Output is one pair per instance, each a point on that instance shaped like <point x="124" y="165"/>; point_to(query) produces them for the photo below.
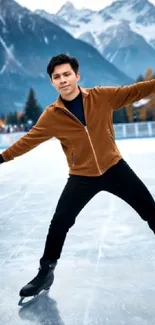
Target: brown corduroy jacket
<point x="90" y="150"/>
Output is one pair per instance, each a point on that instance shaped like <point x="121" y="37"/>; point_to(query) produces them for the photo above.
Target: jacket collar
<point x="59" y="102"/>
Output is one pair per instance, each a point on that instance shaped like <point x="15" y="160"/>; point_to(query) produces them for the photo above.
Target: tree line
<point x="131" y="113"/>
<point x="138" y="113"/>
<point x="28" y="116"/>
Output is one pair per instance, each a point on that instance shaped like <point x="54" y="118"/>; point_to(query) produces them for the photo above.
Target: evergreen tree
<point x="149" y="116"/>
<point x="140" y="78"/>
<point x="12" y="118"/>
<point x="120" y="116"/>
<point x="2" y="117"/>
<point x="32" y="110"/>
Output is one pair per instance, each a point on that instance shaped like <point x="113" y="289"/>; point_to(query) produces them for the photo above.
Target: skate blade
<point x="25" y="301"/>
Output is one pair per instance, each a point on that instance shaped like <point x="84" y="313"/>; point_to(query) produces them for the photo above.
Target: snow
<point x="46" y="40"/>
<point x="141" y="102"/>
<point x="111" y="59"/>
<point x="19" y="22"/>
<point x="33" y="23"/>
<point x="98" y="25"/>
<point x="42" y="75"/>
<point x="9" y="52"/>
<point x="106" y="270"/>
<point x="95" y="24"/>
<point x="2" y="20"/>
<point x="72" y="14"/>
<point x="3" y="69"/>
<point x="147" y="32"/>
<point x="126" y="13"/>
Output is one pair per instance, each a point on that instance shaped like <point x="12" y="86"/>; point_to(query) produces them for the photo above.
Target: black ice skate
<point x="42" y="281"/>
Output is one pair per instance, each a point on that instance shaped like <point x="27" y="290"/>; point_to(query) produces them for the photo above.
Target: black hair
<point x="61" y="59"/>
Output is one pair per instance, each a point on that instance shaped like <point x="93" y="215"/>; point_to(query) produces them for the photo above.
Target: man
<point x="82" y="120"/>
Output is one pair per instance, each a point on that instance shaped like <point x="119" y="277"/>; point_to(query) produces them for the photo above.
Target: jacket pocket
<point x="111" y="137"/>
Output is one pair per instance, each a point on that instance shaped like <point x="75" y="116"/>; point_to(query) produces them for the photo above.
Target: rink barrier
<point x="122" y="131"/>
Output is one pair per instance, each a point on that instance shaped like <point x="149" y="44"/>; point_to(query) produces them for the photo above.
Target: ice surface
<point x="106" y="274"/>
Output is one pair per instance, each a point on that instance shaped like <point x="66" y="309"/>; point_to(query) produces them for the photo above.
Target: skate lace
<point x="41" y="274"/>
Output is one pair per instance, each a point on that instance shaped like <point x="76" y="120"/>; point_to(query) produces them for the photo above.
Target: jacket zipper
<point x="93" y="150"/>
<point x="85" y="127"/>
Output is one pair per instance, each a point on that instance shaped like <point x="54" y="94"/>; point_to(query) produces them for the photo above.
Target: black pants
<point x="119" y="180"/>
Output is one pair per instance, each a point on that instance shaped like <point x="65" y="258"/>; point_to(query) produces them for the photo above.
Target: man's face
<point x="64" y="79"/>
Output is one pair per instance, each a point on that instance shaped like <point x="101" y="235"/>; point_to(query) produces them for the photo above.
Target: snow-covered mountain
<point x="27" y="42"/>
<point x="124" y="32"/>
<point x="139" y="13"/>
<point x="127" y="49"/>
<point x="69" y="12"/>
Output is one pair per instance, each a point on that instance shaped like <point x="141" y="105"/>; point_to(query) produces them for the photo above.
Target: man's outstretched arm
<point x="122" y="96"/>
<point x="40" y="132"/>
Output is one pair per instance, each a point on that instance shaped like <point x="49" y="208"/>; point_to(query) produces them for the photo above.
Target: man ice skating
<point x="81" y="119"/>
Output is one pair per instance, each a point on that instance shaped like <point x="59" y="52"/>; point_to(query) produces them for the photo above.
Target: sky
<point x="52" y="6"/>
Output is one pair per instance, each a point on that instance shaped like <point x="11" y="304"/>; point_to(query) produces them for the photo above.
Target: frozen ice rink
<point x="106" y="274"/>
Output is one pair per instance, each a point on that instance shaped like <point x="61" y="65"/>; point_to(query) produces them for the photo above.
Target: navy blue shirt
<point x="75" y="106"/>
